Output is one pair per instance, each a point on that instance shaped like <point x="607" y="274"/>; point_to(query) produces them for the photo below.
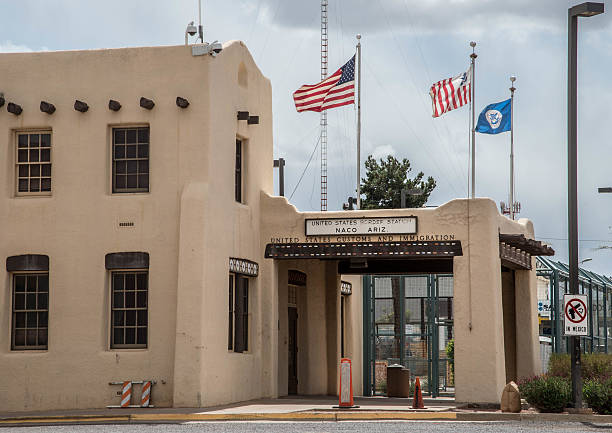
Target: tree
<point x="382" y="188"/>
<point x="384" y="182"/>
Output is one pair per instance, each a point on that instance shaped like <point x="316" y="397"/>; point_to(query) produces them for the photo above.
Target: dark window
<point x="238" y="183"/>
<point x="238" y="313"/>
<point x="230" y="331"/>
<point x="30" y="311"/>
<point x="33" y="162"/>
<point x="129" y="309"/>
<point x="131" y="159"/>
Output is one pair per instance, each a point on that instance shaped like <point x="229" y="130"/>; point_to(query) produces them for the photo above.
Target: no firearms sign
<point x="575" y="312"/>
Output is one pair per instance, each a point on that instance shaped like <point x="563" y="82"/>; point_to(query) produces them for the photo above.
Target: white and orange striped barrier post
<point x="145" y="396"/>
<point x="126" y="394"/>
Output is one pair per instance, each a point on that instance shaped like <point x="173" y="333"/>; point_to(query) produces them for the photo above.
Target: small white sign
<point x="576" y="313"/>
<point x="361" y="226"/>
<point x="544" y="307"/>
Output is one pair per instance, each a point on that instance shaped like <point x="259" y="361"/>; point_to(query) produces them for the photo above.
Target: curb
<point x="144" y="418"/>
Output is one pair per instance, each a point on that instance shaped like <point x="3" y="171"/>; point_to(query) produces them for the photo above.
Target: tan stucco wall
<point x="189" y="223"/>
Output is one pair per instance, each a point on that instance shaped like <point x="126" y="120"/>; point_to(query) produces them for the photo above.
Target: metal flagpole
<point x="473" y="57"/>
<point x="358" y="121"/>
<point x="512" y="89"/>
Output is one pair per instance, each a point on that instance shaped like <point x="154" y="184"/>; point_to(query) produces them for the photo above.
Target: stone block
<point x="511" y="398"/>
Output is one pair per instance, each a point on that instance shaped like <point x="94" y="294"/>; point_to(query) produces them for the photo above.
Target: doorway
<point x="408" y="320"/>
<point x="292" y="341"/>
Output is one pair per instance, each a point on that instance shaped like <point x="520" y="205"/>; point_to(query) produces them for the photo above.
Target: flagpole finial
<point x="512" y="80"/>
<point x="358" y="36"/>
<point x="473" y="55"/>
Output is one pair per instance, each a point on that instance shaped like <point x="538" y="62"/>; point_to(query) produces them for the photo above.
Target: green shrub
<point x="547" y="393"/>
<point x="559" y="365"/>
<point x="598" y="395"/>
<point x="597" y="366"/>
<point x="450" y="354"/>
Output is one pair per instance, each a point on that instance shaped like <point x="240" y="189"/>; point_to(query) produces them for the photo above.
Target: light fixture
<point x="182" y="102"/>
<point x="14" y="109"/>
<point x="114" y="105"/>
<point x="146" y="103"/>
<point x="47" y="107"/>
<point x="80" y="106"/>
<point x="190" y="31"/>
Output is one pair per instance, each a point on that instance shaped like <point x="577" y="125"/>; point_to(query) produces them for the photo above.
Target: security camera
<point x="191" y="29"/>
<point x="216" y="47"/>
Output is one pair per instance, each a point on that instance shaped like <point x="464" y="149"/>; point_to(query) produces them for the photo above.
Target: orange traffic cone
<point x="417" y="402"/>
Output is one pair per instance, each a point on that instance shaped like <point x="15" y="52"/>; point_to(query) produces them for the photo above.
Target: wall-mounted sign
<point x="544" y="307"/>
<point x="361" y="226"/>
<point x="346" y="288"/>
<point x="244" y="267"/>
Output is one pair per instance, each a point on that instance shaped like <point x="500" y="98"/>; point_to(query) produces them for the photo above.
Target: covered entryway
<point x="448" y="266"/>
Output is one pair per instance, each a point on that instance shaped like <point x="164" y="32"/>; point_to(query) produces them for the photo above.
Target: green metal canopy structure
<point x="597" y="287"/>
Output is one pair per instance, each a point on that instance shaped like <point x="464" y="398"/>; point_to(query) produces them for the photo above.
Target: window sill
<point x="33" y="195"/>
<point x="32" y="351"/>
<point x="128" y="349"/>
<point x="119" y="194"/>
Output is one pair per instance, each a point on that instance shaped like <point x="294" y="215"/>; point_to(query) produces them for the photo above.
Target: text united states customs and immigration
<point x="452" y="93"/>
<point x="335" y="91"/>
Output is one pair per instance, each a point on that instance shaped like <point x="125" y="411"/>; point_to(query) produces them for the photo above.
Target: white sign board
<point x="576" y="313"/>
<point x="361" y="226"/>
<point x="544" y="307"/>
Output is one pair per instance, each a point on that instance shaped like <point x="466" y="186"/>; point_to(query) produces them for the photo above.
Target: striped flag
<point x="452" y="93"/>
<point x="334" y="91"/>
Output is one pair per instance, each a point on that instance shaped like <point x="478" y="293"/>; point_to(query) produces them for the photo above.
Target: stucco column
<point x="188" y="359"/>
<point x="478" y="324"/>
<point x="332" y="320"/>
<point x="527" y="330"/>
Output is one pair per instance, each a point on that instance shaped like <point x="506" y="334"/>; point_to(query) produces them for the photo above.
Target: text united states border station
<point x="361" y="226"/>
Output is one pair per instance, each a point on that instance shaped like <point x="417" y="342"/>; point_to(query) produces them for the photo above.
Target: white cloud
<point x="10" y="47"/>
<point x="383" y="151"/>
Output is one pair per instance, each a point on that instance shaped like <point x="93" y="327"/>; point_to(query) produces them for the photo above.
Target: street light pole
<point x="582" y="10"/>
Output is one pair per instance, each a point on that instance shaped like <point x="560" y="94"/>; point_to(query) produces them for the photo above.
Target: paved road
<point x="322" y="427"/>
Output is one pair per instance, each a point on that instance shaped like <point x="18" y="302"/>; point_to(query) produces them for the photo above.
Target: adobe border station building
<point x="141" y="241"/>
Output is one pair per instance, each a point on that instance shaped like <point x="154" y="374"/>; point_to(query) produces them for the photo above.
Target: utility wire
<point x="305" y="168"/>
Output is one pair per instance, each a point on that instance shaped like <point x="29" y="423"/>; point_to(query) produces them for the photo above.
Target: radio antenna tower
<point x="323" y="122"/>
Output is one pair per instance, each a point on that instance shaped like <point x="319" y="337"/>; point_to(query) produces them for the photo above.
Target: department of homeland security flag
<point x="336" y="90"/>
<point x="446" y="95"/>
<point x="495" y="118"/>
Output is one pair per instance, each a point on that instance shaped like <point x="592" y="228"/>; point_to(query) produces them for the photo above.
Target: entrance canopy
<point x="375" y="257"/>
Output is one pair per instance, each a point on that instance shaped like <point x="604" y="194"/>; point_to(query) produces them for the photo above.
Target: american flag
<point x="334" y="91"/>
<point x="446" y="95"/>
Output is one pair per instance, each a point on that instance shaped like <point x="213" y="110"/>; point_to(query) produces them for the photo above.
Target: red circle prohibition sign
<point x="574" y="305"/>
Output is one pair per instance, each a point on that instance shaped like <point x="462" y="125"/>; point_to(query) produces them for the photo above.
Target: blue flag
<point x="495" y="118"/>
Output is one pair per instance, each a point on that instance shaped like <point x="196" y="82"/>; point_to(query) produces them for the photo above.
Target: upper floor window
<point x="238" y="179"/>
<point x="33" y="162"/>
<point x="131" y="159"/>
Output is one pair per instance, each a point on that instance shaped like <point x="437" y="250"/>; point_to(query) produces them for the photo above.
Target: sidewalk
<point x="292" y="409"/>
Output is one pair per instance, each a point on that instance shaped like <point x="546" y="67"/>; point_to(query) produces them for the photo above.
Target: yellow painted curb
<point x="191" y="417"/>
<point x="62" y="419"/>
<point x="395" y="415"/>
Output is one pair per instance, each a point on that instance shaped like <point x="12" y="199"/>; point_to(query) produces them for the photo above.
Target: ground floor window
<point x="129" y="309"/>
<point x="238" y="328"/>
<point x="30" y="311"/>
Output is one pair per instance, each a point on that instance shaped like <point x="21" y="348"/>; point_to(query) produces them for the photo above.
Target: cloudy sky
<point x="407" y="45"/>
